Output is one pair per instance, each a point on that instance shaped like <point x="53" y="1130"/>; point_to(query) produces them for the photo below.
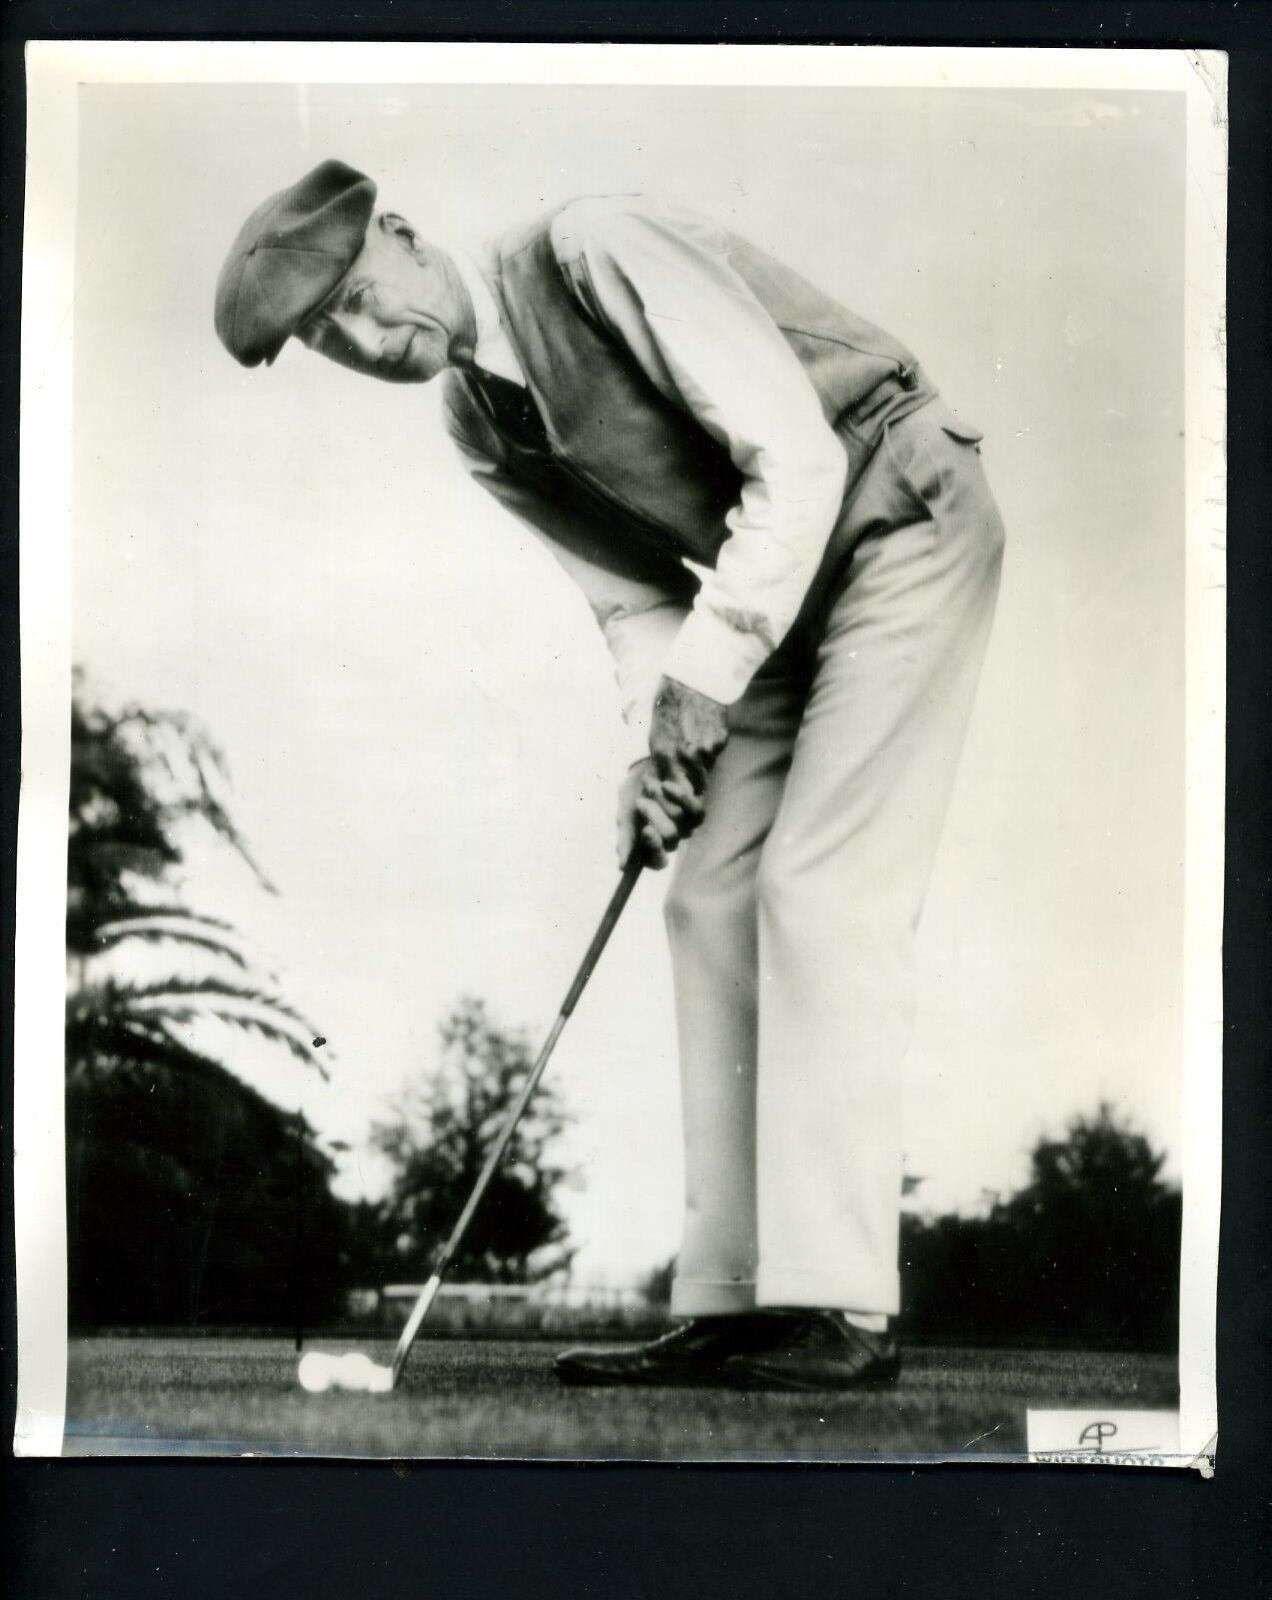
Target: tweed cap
<point x="289" y="255"/>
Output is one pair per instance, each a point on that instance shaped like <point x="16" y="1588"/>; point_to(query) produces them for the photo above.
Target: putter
<point x="357" y="1372"/>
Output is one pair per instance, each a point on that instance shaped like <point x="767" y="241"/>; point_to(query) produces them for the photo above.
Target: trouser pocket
<point x="913" y="462"/>
<point x="925" y="452"/>
<point x="954" y="426"/>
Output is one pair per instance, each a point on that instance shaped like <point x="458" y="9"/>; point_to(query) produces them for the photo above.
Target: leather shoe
<point x="820" y="1350"/>
<point x="695" y="1353"/>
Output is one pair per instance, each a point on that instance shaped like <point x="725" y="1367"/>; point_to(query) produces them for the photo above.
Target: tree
<point x="438" y="1139"/>
<point x="1103" y="1232"/>
<point x="1087" y="1250"/>
<point x="182" y="1180"/>
<point x="139" y="780"/>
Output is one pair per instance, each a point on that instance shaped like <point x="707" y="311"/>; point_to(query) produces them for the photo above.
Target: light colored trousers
<point x="792" y="911"/>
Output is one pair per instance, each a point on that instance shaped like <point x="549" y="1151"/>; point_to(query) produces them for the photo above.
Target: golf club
<point x="357" y="1372"/>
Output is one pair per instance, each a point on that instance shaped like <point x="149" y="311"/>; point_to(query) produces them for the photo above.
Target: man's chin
<point x="420" y="362"/>
<point x="406" y="372"/>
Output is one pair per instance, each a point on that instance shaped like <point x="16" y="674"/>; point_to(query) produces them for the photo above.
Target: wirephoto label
<point x="1105" y="1438"/>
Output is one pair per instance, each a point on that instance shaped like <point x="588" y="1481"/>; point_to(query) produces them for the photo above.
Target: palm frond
<point x="158" y="1001"/>
<point x="181" y="990"/>
<point x="181" y="927"/>
<point x="146" y="771"/>
<point x="259" y="1014"/>
<point x="211" y="773"/>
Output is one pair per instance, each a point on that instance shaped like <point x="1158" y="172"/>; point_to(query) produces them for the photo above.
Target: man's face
<point x="400" y="312"/>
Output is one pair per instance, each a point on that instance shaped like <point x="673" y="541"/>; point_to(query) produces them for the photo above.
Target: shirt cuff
<point x="715" y="659"/>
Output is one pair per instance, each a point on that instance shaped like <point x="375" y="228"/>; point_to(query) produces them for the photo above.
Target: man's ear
<point x="400" y="229"/>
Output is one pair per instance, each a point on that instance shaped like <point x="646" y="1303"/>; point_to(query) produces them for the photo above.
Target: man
<point x="790" y="545"/>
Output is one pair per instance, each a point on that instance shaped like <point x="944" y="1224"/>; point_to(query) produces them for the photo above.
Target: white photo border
<point x="56" y="71"/>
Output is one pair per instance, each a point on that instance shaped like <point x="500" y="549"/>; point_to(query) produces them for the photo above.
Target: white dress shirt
<point x="659" y="277"/>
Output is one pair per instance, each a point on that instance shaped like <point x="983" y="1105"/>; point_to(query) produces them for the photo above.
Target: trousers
<point x="792" y="911"/>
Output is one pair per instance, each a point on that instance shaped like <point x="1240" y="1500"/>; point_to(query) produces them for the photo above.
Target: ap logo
<point x="1104" y="1438"/>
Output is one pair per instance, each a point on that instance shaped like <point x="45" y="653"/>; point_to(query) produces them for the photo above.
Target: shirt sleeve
<point x="662" y="281"/>
<point x="639" y="621"/>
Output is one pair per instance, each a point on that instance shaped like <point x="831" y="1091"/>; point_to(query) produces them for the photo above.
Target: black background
<point x="330" y="1529"/>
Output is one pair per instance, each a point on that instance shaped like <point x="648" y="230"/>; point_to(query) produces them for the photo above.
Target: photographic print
<point x="622" y="828"/>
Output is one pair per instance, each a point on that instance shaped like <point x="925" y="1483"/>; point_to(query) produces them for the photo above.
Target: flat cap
<point x="289" y="255"/>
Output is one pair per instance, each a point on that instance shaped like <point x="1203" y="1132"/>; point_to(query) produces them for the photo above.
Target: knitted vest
<point x="649" y="475"/>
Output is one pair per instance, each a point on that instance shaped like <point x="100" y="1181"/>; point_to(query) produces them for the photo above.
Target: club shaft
<point x="419" y="1311"/>
<point x="620" y="897"/>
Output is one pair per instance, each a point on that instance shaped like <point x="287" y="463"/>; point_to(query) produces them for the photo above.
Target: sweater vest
<point x="642" y="467"/>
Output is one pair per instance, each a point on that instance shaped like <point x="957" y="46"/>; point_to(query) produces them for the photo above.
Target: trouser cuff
<point x="878" y="1294"/>
<point x="707" y="1297"/>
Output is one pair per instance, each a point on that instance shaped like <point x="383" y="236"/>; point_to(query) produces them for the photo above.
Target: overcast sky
<point x="418" y="710"/>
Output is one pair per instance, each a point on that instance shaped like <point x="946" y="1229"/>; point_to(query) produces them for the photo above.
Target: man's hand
<point x="689" y="731"/>
<point x="654" y="814"/>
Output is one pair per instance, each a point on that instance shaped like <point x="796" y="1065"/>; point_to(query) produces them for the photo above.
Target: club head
<point x="353" y="1373"/>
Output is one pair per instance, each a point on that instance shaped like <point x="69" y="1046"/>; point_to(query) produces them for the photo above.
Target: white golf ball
<point x="315" y="1372"/>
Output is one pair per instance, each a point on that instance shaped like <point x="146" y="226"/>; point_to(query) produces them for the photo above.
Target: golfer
<point x="789" y="543"/>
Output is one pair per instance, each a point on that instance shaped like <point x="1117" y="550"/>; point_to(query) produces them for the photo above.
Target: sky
<point x="417" y="708"/>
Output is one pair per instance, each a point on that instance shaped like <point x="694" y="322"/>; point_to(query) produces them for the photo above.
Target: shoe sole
<point x="789" y="1383"/>
<point x="724" y="1379"/>
<point x="663" y="1380"/>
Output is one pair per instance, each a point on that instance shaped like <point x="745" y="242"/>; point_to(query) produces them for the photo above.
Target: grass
<point x="498" y="1398"/>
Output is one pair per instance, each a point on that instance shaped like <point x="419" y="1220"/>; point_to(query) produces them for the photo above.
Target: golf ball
<point x="315" y="1372"/>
